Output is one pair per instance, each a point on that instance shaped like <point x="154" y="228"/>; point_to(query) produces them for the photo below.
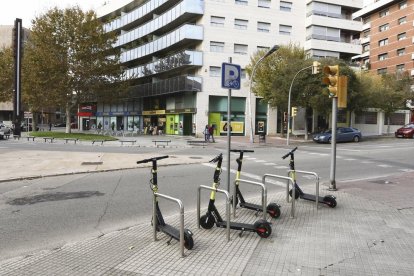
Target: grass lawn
<point x="80" y="136"/>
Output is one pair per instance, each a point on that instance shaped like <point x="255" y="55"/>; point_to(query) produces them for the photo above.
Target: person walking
<point x="211" y="132"/>
<point x="206" y="134"/>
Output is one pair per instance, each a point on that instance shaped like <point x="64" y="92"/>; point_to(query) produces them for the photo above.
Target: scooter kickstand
<point x="241" y="233"/>
<point x="169" y="241"/>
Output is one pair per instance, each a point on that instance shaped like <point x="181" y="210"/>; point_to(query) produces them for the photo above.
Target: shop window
<point x="396" y="119"/>
<point x="369" y="118"/>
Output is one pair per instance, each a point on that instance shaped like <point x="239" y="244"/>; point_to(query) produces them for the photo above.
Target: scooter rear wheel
<point x="296" y="193"/>
<point x="273" y="210"/>
<point x="330" y="201"/>
<point x="188" y="239"/>
<point x="263" y="228"/>
<point x="207" y="221"/>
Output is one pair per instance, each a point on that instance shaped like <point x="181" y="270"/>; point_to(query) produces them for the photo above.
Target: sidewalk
<point x="370" y="232"/>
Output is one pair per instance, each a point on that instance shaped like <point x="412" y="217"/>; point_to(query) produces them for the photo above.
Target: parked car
<point x="60" y="125"/>
<point x="5" y="129"/>
<point x="343" y="134"/>
<point x="406" y="131"/>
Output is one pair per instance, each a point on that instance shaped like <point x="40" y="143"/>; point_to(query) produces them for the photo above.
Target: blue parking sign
<point x="230" y="76"/>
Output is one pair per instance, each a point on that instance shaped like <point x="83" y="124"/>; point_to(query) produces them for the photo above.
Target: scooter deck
<point x="171" y="231"/>
<point x="313" y="198"/>
<point x="251" y="206"/>
<point x="237" y="226"/>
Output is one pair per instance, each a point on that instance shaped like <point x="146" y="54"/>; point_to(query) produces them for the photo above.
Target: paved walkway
<point x="370" y="232"/>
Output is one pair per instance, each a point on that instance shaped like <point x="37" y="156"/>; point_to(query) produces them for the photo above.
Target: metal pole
<point x="228" y="135"/>
<point x="332" y="186"/>
<point x="288" y="112"/>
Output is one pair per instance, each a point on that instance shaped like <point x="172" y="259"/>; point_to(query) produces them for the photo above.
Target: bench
<point x="96" y="141"/>
<point x="197" y="142"/>
<point x="162" y="142"/>
<point x="16" y="137"/>
<point x="127" y="141"/>
<point x="71" y="139"/>
<point x="30" y="137"/>
<point x="48" y="139"/>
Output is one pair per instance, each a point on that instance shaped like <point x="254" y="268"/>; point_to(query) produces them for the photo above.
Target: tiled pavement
<point x="370" y="232"/>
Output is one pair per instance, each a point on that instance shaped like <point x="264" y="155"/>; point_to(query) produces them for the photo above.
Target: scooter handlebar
<point x="241" y="150"/>
<point x="152" y="159"/>
<point x="289" y="153"/>
<point x="217" y="158"/>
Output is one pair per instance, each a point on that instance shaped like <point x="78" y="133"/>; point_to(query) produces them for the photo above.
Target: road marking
<point x="248" y="175"/>
<point x="270" y="164"/>
<point x="384" y="166"/>
<point x="260" y="161"/>
<point x="251" y="158"/>
<point x="367" y="162"/>
<point x="406" y="170"/>
<point x="350" y="159"/>
<point x="281" y="167"/>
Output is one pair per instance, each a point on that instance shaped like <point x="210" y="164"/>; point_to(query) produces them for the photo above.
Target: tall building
<point x="387" y="37"/>
<point x="174" y="50"/>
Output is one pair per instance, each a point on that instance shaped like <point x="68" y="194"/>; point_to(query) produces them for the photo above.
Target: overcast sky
<point x="28" y="9"/>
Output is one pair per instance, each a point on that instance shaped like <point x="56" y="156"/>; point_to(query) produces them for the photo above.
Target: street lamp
<point x="271" y="51"/>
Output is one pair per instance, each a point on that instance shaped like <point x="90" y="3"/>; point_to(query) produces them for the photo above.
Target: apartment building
<point x="174" y="50"/>
<point x="387" y="37"/>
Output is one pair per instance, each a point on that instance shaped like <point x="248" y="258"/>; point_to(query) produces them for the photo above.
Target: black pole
<point x="17" y="102"/>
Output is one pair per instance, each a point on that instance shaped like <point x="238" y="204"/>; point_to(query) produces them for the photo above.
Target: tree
<point x="69" y="59"/>
<point x="6" y="74"/>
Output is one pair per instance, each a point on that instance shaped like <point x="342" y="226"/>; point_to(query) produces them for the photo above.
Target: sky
<point x="29" y="9"/>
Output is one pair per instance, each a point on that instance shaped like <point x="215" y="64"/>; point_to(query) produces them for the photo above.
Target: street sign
<point x="230" y="76"/>
<point x="28" y="115"/>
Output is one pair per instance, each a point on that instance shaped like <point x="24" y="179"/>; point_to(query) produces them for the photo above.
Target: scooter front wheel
<point x="263" y="228"/>
<point x="188" y="239"/>
<point x="207" y="221"/>
<point x="296" y="193"/>
<point x="273" y="210"/>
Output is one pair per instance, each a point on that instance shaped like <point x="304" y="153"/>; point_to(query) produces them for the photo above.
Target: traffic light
<point x="294" y="111"/>
<point x="316" y="67"/>
<point x="331" y="79"/>
<point x="342" y="91"/>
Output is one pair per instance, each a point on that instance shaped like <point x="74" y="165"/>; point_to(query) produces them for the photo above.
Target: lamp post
<point x="288" y="112"/>
<point x="271" y="51"/>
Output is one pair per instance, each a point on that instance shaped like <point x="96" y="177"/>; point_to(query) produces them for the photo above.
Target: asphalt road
<point x="50" y="212"/>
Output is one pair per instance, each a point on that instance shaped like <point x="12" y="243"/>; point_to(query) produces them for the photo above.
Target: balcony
<point x="178" y="15"/>
<point x="175" y="39"/>
<point x="332" y="21"/>
<point x="171" y="63"/>
<point x="167" y="86"/>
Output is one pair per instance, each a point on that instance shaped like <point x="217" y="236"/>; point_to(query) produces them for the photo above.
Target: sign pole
<point x="332" y="186"/>
<point x="228" y="135"/>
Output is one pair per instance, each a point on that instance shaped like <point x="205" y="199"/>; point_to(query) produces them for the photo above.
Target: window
<point x="401" y="52"/>
<point x="217" y="21"/>
<point x="382" y="71"/>
<point x="241" y="2"/>
<point x="285" y="6"/>
<point x="215" y="71"/>
<point x="365" y="48"/>
<point x="240" y="24"/>
<point x="240" y="49"/>
<point x="400" y="68"/>
<point x="263" y="27"/>
<point x="384" y="27"/>
<point x="263" y="48"/>
<point x="285" y="29"/>
<point x="366" y="20"/>
<point x="402" y="5"/>
<point x="366" y="34"/>
<point x="401" y="36"/>
<point x="396" y="119"/>
<point x="263" y="4"/>
<point x="402" y="20"/>
<point x="383" y="42"/>
<point x="366" y="118"/>
<point x="216" y="46"/>
<point x="384" y="13"/>
<point x="383" y="56"/>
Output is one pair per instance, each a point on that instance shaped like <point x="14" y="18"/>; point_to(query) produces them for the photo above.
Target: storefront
<point x="218" y="115"/>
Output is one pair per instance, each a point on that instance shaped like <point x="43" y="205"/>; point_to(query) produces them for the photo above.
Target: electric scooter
<point x="169" y="230"/>
<point x="261" y="227"/>
<point x="272" y="209"/>
<point x="329" y="200"/>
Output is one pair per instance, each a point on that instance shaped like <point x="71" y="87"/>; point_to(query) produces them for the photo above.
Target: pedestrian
<point x="206" y="134"/>
<point x="211" y="132"/>
<point x="50" y="126"/>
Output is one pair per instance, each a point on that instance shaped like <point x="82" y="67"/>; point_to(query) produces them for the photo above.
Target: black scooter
<point x="273" y="209"/>
<point x="329" y="200"/>
<point x="261" y="227"/>
<point x="169" y="230"/>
